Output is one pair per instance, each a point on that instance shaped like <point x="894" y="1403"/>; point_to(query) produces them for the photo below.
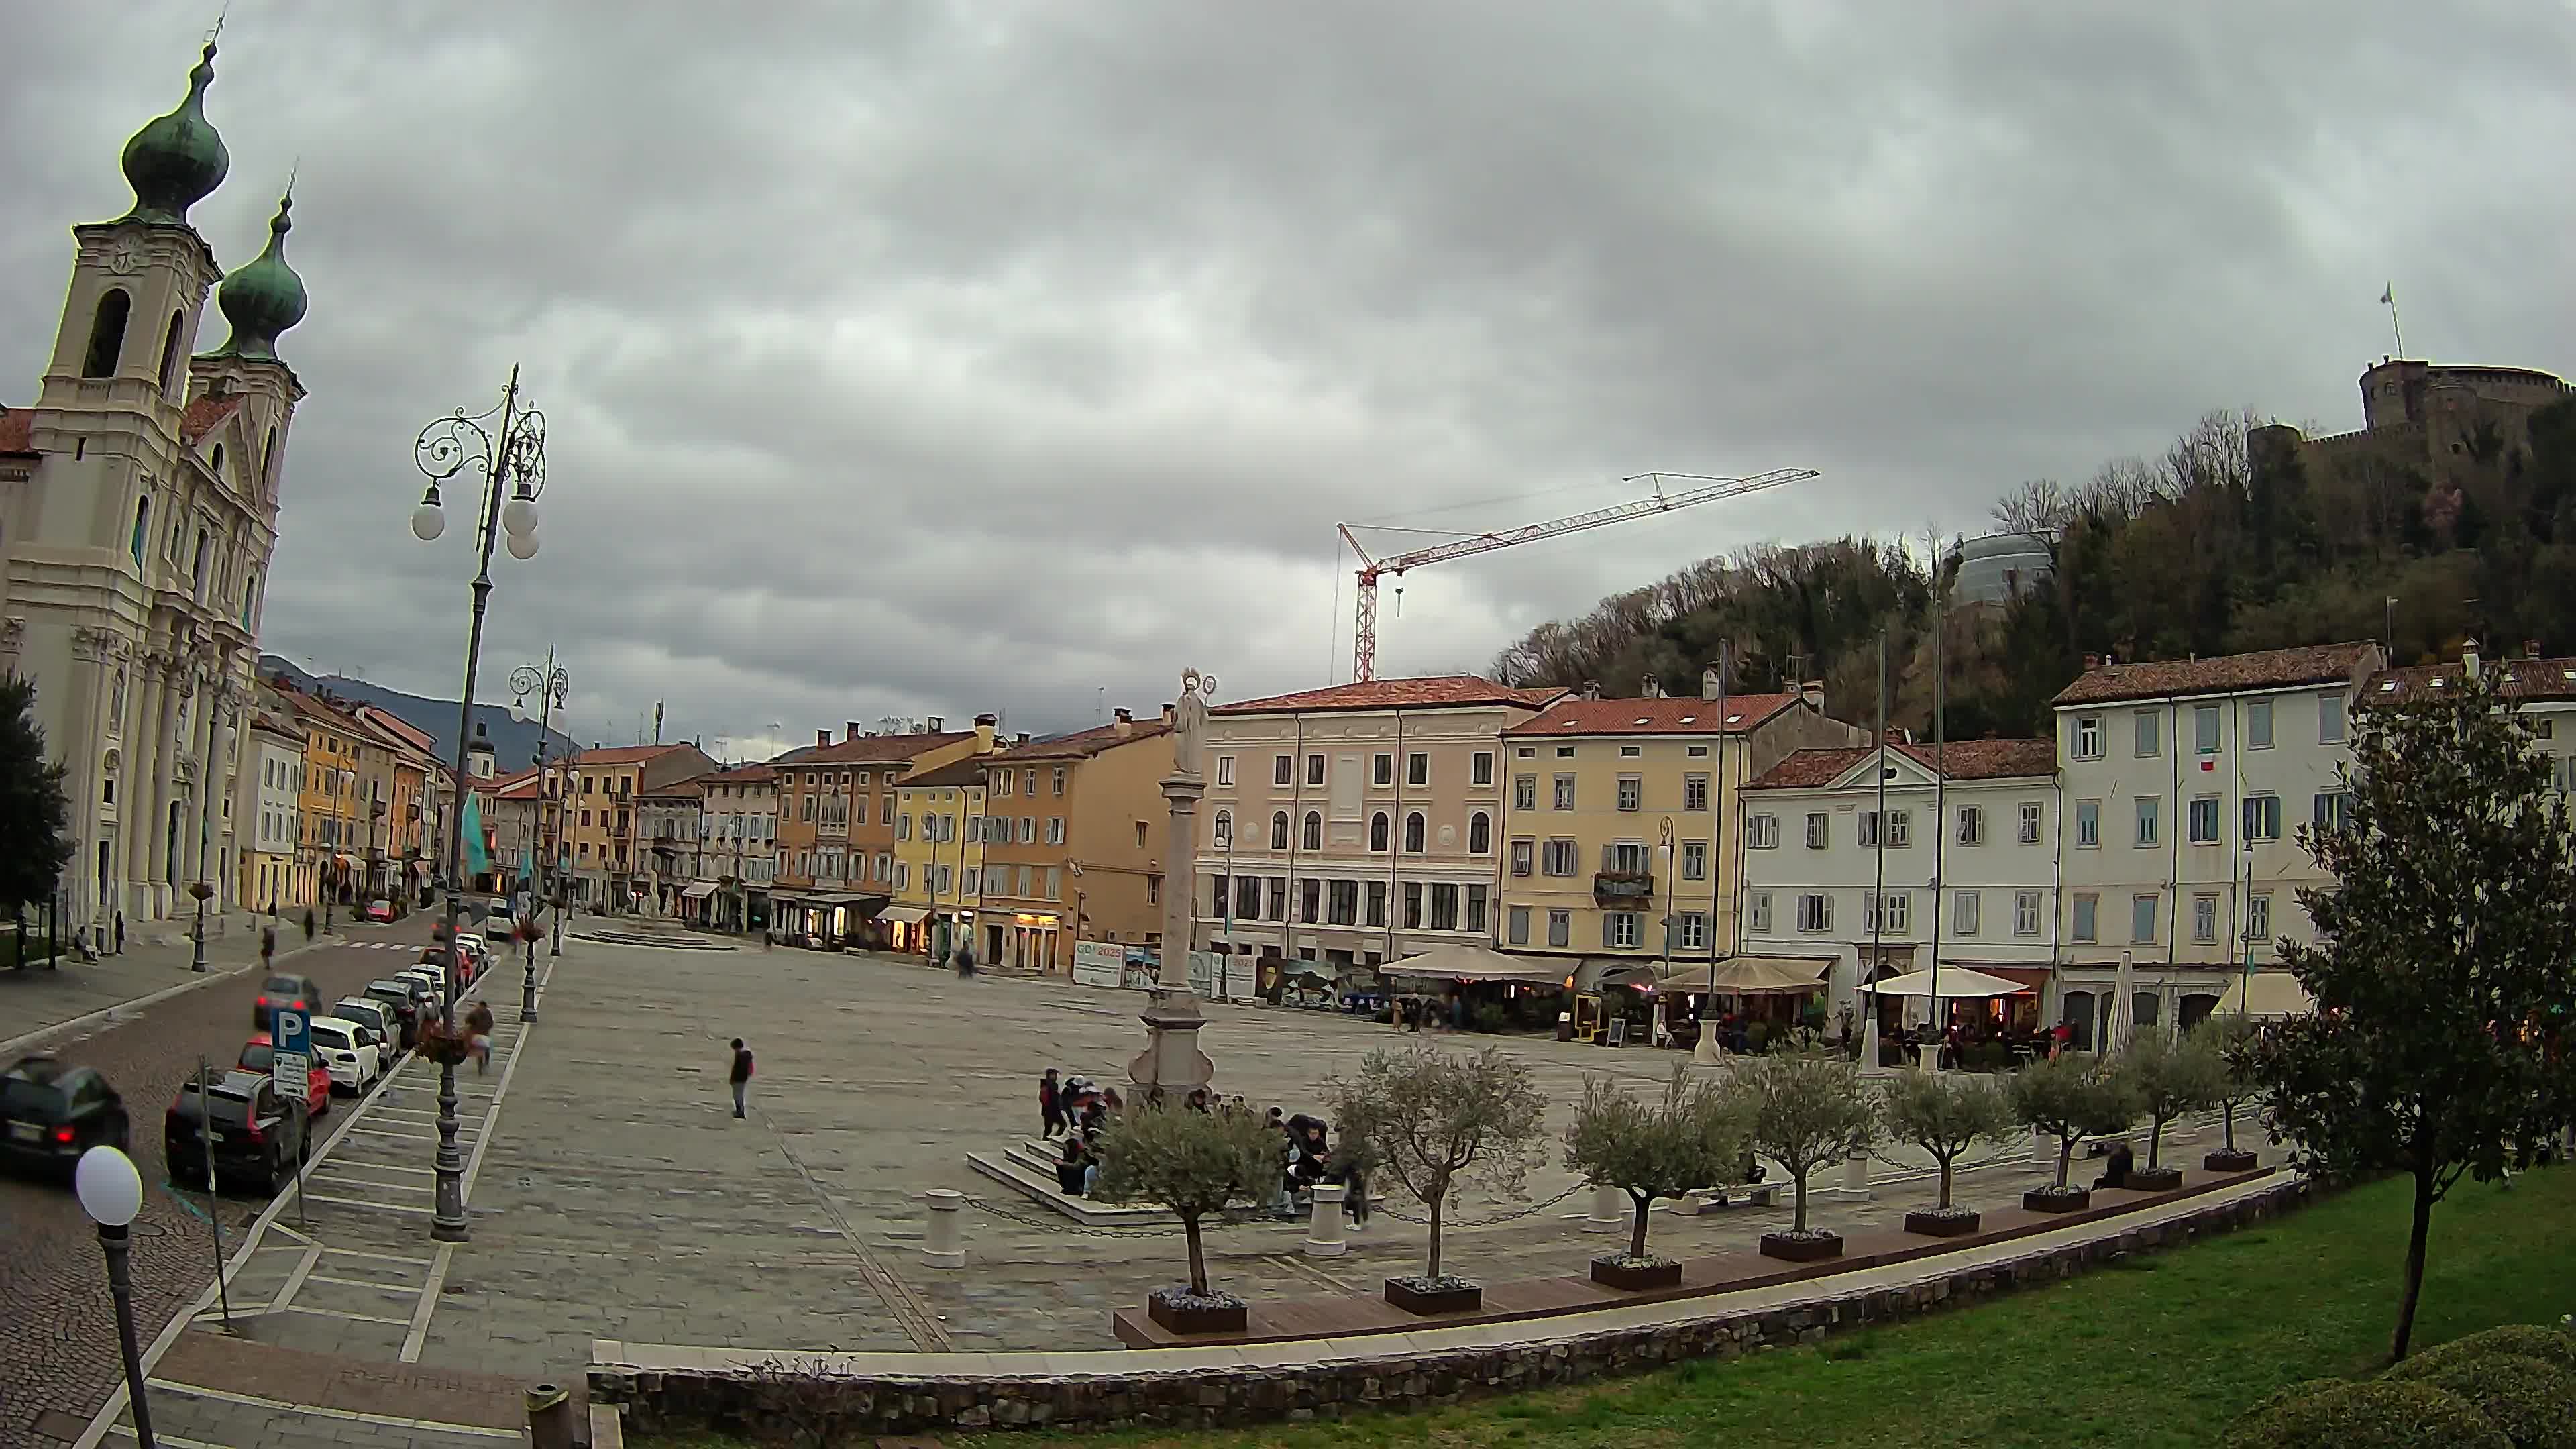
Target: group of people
<point x="1078" y="1109"/>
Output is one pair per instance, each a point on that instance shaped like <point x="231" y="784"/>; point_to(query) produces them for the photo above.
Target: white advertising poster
<point x="1242" y="977"/>
<point x="1205" y="973"/>
<point x="1098" y="963"/>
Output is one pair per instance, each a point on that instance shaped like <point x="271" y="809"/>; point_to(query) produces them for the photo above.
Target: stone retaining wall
<point x="804" y="1391"/>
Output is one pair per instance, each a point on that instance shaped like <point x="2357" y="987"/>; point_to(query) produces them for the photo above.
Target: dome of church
<point x="265" y="297"/>
<point x="176" y="160"/>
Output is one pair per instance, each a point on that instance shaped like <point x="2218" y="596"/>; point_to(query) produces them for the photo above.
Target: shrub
<point x="2533" y="1402"/>
<point x="2375" y="1415"/>
<point x="2515" y="1340"/>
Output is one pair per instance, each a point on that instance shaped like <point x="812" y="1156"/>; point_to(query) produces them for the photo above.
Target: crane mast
<point x="1372" y="568"/>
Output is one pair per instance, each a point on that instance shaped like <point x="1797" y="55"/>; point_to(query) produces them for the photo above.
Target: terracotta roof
<point x="968" y="771"/>
<point x="741" y="775"/>
<point x="207" y="414"/>
<point x="522" y="785"/>
<point x="1082" y="744"/>
<point x="1959" y="760"/>
<point x="873" y="749"/>
<point x="689" y="789"/>
<point x="275" y="726"/>
<point x="2268" y="669"/>
<point x="2523" y="679"/>
<point x="1571" y="716"/>
<point x="623" y="754"/>
<point x="1431" y="692"/>
<point x="17" y="431"/>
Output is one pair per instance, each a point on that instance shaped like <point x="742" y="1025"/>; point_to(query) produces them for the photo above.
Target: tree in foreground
<point x="1695" y="1138"/>
<point x="35" y="821"/>
<point x="1945" y="1114"/>
<point x="2440" y="1042"/>
<point x="1430" y="1120"/>
<point x="2233" y="1040"/>
<point x="1808" y="1109"/>
<point x="2169" y="1078"/>
<point x="2070" y="1099"/>
<point x="1193" y="1163"/>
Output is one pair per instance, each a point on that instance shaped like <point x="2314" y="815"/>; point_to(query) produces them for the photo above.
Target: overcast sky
<point x="911" y="359"/>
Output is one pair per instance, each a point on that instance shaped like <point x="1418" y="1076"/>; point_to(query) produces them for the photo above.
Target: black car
<point x="259" y="1134"/>
<point x="284" y="991"/>
<point x="52" y="1112"/>
<point x="406" y="998"/>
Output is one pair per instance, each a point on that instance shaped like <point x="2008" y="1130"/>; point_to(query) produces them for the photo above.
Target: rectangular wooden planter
<point x="1197" y="1317"/>
<point x="2075" y="1200"/>
<point x="1465" y="1299"/>
<point x="1933" y="1224"/>
<point x="2155" y="1179"/>
<point x="1802" y="1250"/>
<point x="2225" y="1161"/>
<point x="1636" y="1277"/>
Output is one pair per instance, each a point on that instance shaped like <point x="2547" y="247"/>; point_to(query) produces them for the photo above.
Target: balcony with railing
<point x="1624" y="889"/>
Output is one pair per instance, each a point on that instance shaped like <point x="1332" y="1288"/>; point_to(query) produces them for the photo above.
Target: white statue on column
<point x="1172" y="1061"/>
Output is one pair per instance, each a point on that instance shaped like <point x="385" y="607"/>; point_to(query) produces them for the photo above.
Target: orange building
<point x="1073" y="841"/>
<point x="836" y="809"/>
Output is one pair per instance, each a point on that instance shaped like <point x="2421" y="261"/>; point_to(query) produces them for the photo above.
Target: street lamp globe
<point x="519" y="515"/>
<point x="110" y="1190"/>
<point x="429" y="520"/>
<point x="522" y="546"/>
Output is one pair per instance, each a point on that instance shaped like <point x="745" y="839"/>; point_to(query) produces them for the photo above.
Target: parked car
<point x="405" y="996"/>
<point x="377" y="1019"/>
<point x="351" y="1061"/>
<point x="51" y="1112"/>
<point x="501" y="910"/>
<point x="259" y="1054"/>
<point x="259" y="1133"/>
<point x="284" y="991"/>
<point x="380" y="911"/>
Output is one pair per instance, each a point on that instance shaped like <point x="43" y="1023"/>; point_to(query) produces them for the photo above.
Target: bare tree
<point x="1430" y="1119"/>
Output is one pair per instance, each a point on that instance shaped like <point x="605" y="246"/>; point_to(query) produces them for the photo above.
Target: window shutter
<point x="1605" y="928"/>
<point x="1609" y="858"/>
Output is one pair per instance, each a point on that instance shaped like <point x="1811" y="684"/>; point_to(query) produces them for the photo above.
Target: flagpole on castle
<point x="2388" y="299"/>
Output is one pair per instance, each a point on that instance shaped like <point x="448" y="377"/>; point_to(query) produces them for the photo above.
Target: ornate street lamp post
<point x="111" y="1192"/>
<point x="549" y="685"/>
<point x="512" y="459"/>
<point x="197" y="935"/>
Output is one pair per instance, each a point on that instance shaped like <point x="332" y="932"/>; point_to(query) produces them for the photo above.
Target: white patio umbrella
<point x="2124" y="984"/>
<point x="1956" y="982"/>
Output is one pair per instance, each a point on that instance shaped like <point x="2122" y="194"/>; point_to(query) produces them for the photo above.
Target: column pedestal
<point x="1324" y="1229"/>
<point x="1610" y="1211"/>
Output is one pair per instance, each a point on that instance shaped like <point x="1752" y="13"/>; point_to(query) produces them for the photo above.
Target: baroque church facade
<point x="138" y="513"/>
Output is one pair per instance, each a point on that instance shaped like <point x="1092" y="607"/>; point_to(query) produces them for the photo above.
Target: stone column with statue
<point x="1172" y="1063"/>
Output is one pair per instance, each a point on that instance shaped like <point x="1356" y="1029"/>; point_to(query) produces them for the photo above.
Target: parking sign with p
<point x="290" y="1061"/>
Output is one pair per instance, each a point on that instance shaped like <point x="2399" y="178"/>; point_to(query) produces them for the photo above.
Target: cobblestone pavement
<point x="58" y="1342"/>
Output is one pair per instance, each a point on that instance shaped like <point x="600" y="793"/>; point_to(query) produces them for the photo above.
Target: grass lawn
<point x="2162" y="1351"/>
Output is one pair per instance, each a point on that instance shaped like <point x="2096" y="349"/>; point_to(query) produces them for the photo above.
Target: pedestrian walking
<point x="120" y="933"/>
<point x="965" y="961"/>
<point x="267" y="946"/>
<point x="1050" y="1105"/>
<point x="478" y="1028"/>
<point x="741" y="1074"/>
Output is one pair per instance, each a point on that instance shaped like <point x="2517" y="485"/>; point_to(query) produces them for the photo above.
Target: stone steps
<point x="1037" y="1184"/>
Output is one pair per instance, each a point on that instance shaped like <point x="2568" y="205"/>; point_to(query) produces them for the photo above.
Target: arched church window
<point x="107" y="779"/>
<point x="268" y="456"/>
<point x="107" y="333"/>
<point x="197" y="565"/>
<point x="218" y="468"/>
<point x="250" y="596"/>
<point x="170" y="353"/>
<point x="142" y="518"/>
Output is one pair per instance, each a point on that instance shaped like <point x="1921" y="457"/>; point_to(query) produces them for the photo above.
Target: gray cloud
<point x="931" y="358"/>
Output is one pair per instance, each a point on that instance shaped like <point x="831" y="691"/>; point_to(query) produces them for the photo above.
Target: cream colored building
<point x="138" y="511"/>
<point x="1623" y="813"/>
<point x="1359" y="824"/>
<point x="1074" y="833"/>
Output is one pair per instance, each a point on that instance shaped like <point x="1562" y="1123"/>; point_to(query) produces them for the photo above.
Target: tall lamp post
<point x="111" y="1192"/>
<point x="549" y="685"/>
<point x="511" y="458"/>
<point x="197" y="935"/>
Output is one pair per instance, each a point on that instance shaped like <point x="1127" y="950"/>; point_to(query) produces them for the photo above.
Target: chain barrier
<point x="1518" y="1212"/>
<point x="1232" y="1217"/>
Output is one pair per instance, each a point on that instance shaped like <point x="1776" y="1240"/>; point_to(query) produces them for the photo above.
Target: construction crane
<point x="1364" y="624"/>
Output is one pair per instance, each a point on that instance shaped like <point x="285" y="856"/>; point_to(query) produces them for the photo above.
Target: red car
<point x="258" y="1055"/>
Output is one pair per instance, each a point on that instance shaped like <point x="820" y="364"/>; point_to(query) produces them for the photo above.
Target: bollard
<point x="1324" y="1228"/>
<point x="1610" y="1211"/>
<point x="550" y="1422"/>
<point x="2043" y="1148"/>
<point x="944" y="1247"/>
<point x="1856" y="1175"/>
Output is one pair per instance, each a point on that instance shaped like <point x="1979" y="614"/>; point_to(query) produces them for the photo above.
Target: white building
<point x="740" y="860"/>
<point x="138" y="511"/>
<point x="2185" y="783"/>
<point x="1961" y="868"/>
<point x="267" y="814"/>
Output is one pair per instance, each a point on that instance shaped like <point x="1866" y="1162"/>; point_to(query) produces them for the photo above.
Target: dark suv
<point x="285" y="991"/>
<point x="51" y="1112"/>
<point x="406" y="997"/>
<point x="259" y="1135"/>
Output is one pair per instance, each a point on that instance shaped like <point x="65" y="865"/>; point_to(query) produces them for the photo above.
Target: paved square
<point x="619" y="1198"/>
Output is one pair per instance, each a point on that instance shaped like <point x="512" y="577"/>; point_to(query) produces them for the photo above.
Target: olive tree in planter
<point x="1945" y="1114"/>
<point x="2167" y="1078"/>
<point x="1193" y="1163"/>
<point x="2070" y="1099"/>
<point x="1430" y="1119"/>
<point x="1808" y="1109"/>
<point x="2233" y="1040"/>
<point x="1696" y="1138"/>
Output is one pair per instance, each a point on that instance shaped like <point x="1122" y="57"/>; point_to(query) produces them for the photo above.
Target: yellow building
<point x="330" y="827"/>
<point x="938" y="857"/>
<point x="606" y="863"/>
<point x="1620" y="815"/>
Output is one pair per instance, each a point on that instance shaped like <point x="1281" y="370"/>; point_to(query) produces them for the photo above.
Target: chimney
<point x="935" y="725"/>
<point x="2530" y="648"/>
<point x="822" y="737"/>
<point x="2092" y="662"/>
<point x="1592" y="689"/>
<point x="849" y="730"/>
<point x="1171" y="714"/>
<point x="1709" y="683"/>
<point x="1813" y="692"/>
<point x="2469" y="658"/>
<point x="985" y="725"/>
<point x="1650" y="688"/>
<point x="1022" y="738"/>
<point x="1126" y="723"/>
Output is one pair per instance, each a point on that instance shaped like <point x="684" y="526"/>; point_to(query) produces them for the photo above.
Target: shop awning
<point x="2267" y="993"/>
<point x="1749" y="976"/>
<point x="2031" y="978"/>
<point x="1956" y="982"/>
<point x="1476" y="963"/>
<point x="699" y="891"/>
<point x="904" y="915"/>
